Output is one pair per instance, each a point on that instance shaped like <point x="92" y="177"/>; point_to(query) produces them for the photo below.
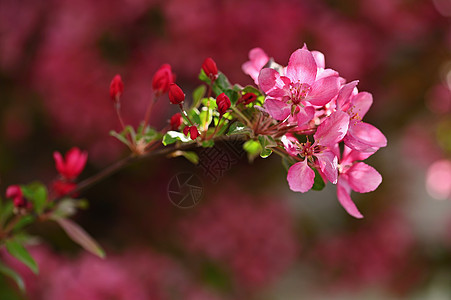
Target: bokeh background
<point x="250" y="237"/>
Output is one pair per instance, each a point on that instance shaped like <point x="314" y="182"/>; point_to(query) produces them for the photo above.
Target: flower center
<point x="299" y="91"/>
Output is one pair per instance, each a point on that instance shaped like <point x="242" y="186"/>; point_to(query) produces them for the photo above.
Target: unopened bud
<point x="194" y="133"/>
<point x="176" y="95"/>
<point x="223" y="103"/>
<point x="248" y="98"/>
<point x="176" y="121"/>
<point x="13" y="191"/>
<point x="162" y="79"/>
<point x="116" y="88"/>
<point x="210" y="69"/>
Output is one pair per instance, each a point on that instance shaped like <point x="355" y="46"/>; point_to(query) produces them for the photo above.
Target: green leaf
<point x="251" y="89"/>
<point x="189" y="155"/>
<point x="198" y="94"/>
<point x="221" y="84"/>
<point x="36" y="192"/>
<point x="318" y="184"/>
<point x="80" y="236"/>
<point x="120" y="137"/>
<point x="13" y="275"/>
<point x="19" y="252"/>
<point x="6" y="212"/>
<point x="253" y="149"/>
<point x="206" y="116"/>
<point x="203" y="77"/>
<point x="233" y="95"/>
<point x="173" y="136"/>
<point x="24" y="221"/>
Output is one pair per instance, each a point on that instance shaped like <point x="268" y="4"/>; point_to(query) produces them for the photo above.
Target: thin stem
<point x="152" y="101"/>
<point x="185" y="114"/>
<point x="246" y="120"/>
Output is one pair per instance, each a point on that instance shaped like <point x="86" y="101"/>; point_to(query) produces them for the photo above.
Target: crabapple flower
<point x="210" y="69"/>
<point x="355" y="176"/>
<point x="223" y="103"/>
<point x="162" y="79"/>
<point x="72" y="164"/>
<point x="257" y="60"/>
<point x="176" y="121"/>
<point x="319" y="154"/>
<point x="116" y="88"/>
<point x="361" y="136"/>
<point x="176" y="95"/>
<point x="299" y="89"/>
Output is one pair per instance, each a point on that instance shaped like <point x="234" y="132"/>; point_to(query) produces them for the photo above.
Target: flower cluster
<point x="316" y="100"/>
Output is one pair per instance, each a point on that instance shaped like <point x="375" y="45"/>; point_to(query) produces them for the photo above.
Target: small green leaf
<point x="233" y="95"/>
<point x="208" y="143"/>
<point x="80" y="236"/>
<point x="206" y="116"/>
<point x="189" y="155"/>
<point x="13" y="275"/>
<point x="36" y="192"/>
<point x="24" y="221"/>
<point x="318" y="184"/>
<point x="120" y="137"/>
<point x="221" y="84"/>
<point x="6" y="212"/>
<point x="19" y="252"/>
<point x="251" y="89"/>
<point x="172" y="136"/>
<point x="203" y="77"/>
<point x="198" y="94"/>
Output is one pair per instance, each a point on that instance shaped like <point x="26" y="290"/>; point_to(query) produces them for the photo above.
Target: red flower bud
<point x="210" y="69"/>
<point x="223" y="103"/>
<point x="248" y="98"/>
<point x="176" y="95"/>
<point x="176" y="121"/>
<point x="162" y="79"/>
<point x="62" y="188"/>
<point x="72" y="164"/>
<point x="186" y="130"/>
<point x="194" y="133"/>
<point x="116" y="88"/>
<point x="13" y="191"/>
<point x="20" y="202"/>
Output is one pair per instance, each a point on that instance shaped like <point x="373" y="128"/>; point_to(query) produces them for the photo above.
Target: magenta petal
<point x="279" y="110"/>
<point x="362" y="103"/>
<point x="344" y="197"/>
<point x="344" y="96"/>
<point x="59" y="163"/>
<point x="323" y="90"/>
<point x="270" y="81"/>
<point x="328" y="163"/>
<point x="364" y="137"/>
<point x="300" y="177"/>
<point x="363" y="178"/>
<point x="305" y="115"/>
<point x="302" y="67"/>
<point x="350" y="155"/>
<point x="289" y="146"/>
<point x="333" y="129"/>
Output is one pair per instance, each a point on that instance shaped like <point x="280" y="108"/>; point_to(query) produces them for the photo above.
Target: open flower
<point x="302" y="87"/>
<point x="320" y="154"/>
<point x="72" y="164"/>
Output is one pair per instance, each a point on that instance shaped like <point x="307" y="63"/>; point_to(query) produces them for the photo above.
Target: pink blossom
<point x="356" y="176"/>
<point x="299" y="89"/>
<point x="320" y="154"/>
<point x="72" y="164"/>
<point x="257" y="60"/>
<point x="438" y="179"/>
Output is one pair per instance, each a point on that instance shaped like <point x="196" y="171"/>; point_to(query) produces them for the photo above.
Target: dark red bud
<point x="62" y="188"/>
<point x="186" y="130"/>
<point x="194" y="133"/>
<point x="20" y="202"/>
<point x="162" y="79"/>
<point x="176" y="95"/>
<point x="176" y="121"/>
<point x="223" y="103"/>
<point x="249" y="98"/>
<point x="13" y="191"/>
<point x="210" y="69"/>
<point x="116" y="88"/>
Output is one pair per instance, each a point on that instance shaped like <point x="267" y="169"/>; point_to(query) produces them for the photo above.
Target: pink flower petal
<point x="364" y="137"/>
<point x="344" y="96"/>
<point x="363" y="178"/>
<point x="351" y="155"/>
<point x="302" y="67"/>
<point x="279" y="110"/>
<point x="438" y="180"/>
<point x="333" y="129"/>
<point x="258" y="59"/>
<point x="343" y="194"/>
<point x="59" y="163"/>
<point x="323" y="90"/>
<point x="289" y="146"/>
<point x="300" y="177"/>
<point x="271" y="83"/>
<point x="328" y="163"/>
<point x="305" y="115"/>
<point x="362" y="103"/>
<point x="319" y="59"/>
